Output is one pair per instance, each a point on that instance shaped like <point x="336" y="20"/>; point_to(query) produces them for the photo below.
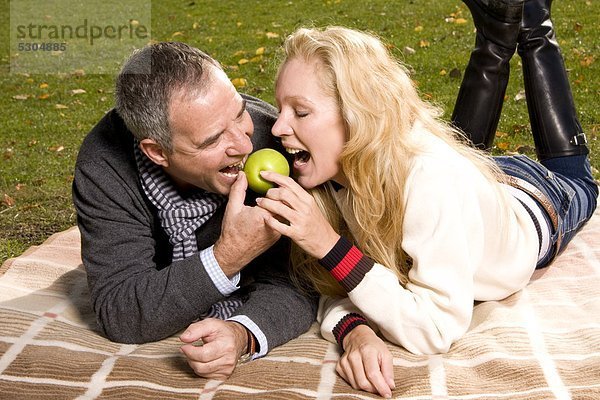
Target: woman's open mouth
<point x="301" y="157"/>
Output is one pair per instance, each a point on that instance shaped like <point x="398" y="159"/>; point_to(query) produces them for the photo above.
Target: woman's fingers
<point x="284" y="182"/>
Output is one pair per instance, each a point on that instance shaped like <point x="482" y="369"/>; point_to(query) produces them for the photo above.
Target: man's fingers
<point x="196" y="331"/>
<point x="216" y="369"/>
<point x="205" y="353"/>
<point x="237" y="193"/>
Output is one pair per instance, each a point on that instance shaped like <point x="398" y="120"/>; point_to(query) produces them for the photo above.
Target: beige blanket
<point x="541" y="343"/>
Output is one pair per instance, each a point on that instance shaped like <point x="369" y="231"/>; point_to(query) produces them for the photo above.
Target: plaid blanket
<point x="540" y="343"/>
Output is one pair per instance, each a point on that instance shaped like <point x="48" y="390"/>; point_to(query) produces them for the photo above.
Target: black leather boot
<point x="481" y="94"/>
<point x="556" y="129"/>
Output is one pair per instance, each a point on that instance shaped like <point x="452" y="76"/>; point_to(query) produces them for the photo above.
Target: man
<point x="169" y="235"/>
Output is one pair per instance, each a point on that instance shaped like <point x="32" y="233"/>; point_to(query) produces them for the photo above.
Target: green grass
<point x="39" y="142"/>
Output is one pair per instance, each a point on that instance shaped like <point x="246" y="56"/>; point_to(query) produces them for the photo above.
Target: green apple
<point x="264" y="160"/>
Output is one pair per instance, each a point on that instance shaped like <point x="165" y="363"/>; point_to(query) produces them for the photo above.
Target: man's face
<point x="210" y="136"/>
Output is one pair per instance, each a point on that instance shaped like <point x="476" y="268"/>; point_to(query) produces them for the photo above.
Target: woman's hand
<point x="367" y="364"/>
<point x="306" y="225"/>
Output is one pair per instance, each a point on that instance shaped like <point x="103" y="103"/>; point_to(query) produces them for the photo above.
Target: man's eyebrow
<point x="242" y="109"/>
<point x="210" y="140"/>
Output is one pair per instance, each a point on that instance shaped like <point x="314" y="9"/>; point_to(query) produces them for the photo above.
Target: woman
<point x="404" y="224"/>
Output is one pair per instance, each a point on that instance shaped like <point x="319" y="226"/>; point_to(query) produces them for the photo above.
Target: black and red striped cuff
<point x="347" y="264"/>
<point x="345" y="325"/>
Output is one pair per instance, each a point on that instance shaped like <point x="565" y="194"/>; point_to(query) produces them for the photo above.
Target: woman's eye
<point x="301" y="114"/>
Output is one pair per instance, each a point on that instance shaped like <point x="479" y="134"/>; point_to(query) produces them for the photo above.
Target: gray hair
<point x="148" y="81"/>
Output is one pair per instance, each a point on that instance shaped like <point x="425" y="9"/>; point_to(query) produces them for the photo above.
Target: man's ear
<point x="154" y="152"/>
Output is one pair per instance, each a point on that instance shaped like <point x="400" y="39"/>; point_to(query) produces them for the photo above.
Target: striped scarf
<point x="180" y="217"/>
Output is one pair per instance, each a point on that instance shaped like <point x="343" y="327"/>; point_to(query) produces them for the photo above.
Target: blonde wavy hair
<point x="379" y="105"/>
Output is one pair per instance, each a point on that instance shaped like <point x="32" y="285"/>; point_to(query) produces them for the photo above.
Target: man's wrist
<point x="223" y="256"/>
<point x="246" y="342"/>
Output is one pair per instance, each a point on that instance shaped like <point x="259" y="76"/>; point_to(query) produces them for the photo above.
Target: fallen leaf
<point x="409" y="50"/>
<point x="502" y="145"/>
<point x="32" y="143"/>
<point x="8" y="201"/>
<point x="424" y="43"/>
<point x="272" y="35"/>
<point x="578" y="27"/>
<point x="76" y="91"/>
<point x="239" y="24"/>
<point x="256" y="58"/>
<point x="586" y="61"/>
<point x="239" y="82"/>
<point x="418" y="28"/>
<point x="59" y="106"/>
<point x="443" y="72"/>
<point x="29" y="80"/>
<point x="460" y="21"/>
<point x="260" y="51"/>
<point x="56" y="149"/>
<point x="243" y="61"/>
<point x="134" y="22"/>
<point x="195" y="25"/>
<point x="78" y="72"/>
<point x="239" y="53"/>
<point x="21" y="97"/>
<point x="177" y="34"/>
<point x="43" y="85"/>
<point x="520" y="96"/>
<point x="20" y="186"/>
<point x="8" y="153"/>
<point x="43" y="96"/>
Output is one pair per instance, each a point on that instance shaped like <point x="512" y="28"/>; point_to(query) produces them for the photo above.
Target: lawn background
<point x="42" y="121"/>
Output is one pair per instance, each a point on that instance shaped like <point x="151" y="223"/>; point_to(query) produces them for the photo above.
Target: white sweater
<point x="451" y="230"/>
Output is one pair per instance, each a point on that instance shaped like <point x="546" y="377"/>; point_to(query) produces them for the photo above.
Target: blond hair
<point x="379" y="105"/>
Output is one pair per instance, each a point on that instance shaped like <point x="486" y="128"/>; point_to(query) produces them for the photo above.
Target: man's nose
<point x="241" y="143"/>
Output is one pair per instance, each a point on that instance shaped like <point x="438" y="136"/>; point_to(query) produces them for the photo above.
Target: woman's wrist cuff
<point x="347" y="264"/>
<point x="345" y="326"/>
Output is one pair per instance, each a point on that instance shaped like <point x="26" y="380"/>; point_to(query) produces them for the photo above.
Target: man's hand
<point x="224" y="343"/>
<point x="367" y="364"/>
<point x="244" y="234"/>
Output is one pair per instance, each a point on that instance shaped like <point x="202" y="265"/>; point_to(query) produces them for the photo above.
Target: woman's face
<point x="310" y="124"/>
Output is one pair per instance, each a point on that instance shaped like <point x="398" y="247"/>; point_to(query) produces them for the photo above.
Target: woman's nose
<point x="281" y="127"/>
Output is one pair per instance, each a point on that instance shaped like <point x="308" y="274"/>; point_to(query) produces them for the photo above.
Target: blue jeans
<point x="567" y="182"/>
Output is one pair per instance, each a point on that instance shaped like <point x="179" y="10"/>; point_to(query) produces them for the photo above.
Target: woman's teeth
<point x="232" y="170"/>
<point x="300" y="156"/>
<point x="292" y="151"/>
